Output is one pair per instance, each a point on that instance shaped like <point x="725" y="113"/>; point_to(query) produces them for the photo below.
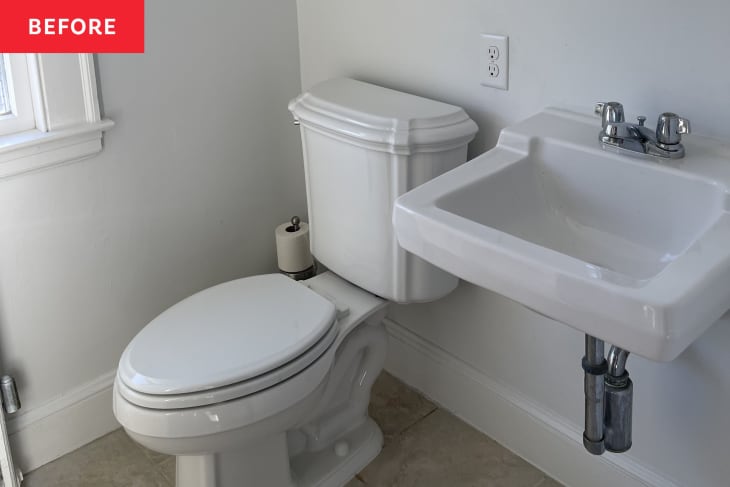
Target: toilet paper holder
<point x="295" y="224"/>
<point x="292" y="249"/>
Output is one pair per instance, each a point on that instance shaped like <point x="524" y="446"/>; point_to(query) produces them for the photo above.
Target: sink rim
<point x="655" y="319"/>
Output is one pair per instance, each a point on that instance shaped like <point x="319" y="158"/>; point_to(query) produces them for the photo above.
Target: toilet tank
<point x="365" y="145"/>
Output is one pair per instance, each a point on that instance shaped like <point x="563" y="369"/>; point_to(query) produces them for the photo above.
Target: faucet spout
<point x="626" y="136"/>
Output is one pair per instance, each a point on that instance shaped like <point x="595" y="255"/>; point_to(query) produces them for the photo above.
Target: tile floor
<point x="424" y="446"/>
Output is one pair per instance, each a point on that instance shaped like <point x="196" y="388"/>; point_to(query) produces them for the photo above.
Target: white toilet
<point x="265" y="381"/>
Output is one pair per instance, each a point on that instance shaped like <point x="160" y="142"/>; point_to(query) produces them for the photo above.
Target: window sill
<point x="33" y="150"/>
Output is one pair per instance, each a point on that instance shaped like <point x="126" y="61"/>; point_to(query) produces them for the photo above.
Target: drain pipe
<point x="609" y="397"/>
<point x="619" y="402"/>
<point x="595" y="367"/>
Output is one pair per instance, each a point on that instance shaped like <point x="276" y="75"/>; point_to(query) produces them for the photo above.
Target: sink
<point x="634" y="251"/>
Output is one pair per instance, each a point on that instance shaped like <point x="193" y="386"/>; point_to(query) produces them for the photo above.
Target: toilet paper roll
<point x="292" y="247"/>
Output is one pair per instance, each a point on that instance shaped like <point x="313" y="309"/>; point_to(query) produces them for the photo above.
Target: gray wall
<point x="654" y="56"/>
<point x="202" y="165"/>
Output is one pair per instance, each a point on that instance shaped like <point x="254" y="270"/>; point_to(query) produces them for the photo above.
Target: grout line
<point x="407" y="428"/>
<point x="156" y="466"/>
<point x="142" y="449"/>
<point x="161" y="473"/>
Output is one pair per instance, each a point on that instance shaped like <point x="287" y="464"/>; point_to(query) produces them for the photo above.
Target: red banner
<point x="87" y="26"/>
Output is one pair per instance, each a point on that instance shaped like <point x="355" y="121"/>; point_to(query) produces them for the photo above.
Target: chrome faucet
<point x="665" y="141"/>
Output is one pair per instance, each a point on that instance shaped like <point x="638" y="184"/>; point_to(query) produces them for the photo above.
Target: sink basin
<point x="635" y="251"/>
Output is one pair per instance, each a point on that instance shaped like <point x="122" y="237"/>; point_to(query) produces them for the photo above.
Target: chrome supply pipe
<point x="12" y="477"/>
<point x="10" y="398"/>
<point x="595" y="367"/>
<point x="617" y="361"/>
<point x="619" y="402"/>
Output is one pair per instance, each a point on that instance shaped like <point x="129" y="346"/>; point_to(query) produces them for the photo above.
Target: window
<point x="16" y="105"/>
<point x="4" y="95"/>
<point x="49" y="111"/>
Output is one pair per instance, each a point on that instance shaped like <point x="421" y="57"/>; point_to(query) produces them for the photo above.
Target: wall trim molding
<point x="60" y="426"/>
<point x="542" y="437"/>
<point x="547" y="440"/>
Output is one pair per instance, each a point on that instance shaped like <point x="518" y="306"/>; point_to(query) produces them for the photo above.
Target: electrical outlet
<point x="494" y="61"/>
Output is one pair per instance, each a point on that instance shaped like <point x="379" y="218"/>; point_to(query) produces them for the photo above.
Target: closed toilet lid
<point x="226" y="334"/>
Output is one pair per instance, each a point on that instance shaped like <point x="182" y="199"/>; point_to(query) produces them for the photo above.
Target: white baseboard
<point x="45" y="433"/>
<point x="543" y="438"/>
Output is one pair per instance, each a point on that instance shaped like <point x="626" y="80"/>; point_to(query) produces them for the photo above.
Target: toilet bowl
<point x="257" y="413"/>
<point x="265" y="381"/>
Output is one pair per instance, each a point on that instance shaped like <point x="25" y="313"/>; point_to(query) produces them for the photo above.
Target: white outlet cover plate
<point x="487" y="44"/>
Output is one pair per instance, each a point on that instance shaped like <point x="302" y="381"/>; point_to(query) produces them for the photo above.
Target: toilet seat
<point x="232" y="391"/>
<point x="226" y="342"/>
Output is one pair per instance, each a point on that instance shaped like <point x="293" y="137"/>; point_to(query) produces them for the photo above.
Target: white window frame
<point x="67" y="124"/>
<point x="21" y="116"/>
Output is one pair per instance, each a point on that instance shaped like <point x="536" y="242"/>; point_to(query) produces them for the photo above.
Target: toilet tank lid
<point x="381" y="118"/>
<point x="226" y="334"/>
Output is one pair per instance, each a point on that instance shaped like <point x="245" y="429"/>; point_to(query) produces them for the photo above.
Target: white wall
<point x="202" y="165"/>
<point x="653" y="56"/>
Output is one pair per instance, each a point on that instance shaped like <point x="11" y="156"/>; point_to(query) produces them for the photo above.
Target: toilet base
<point x="266" y="464"/>
<point x="335" y="466"/>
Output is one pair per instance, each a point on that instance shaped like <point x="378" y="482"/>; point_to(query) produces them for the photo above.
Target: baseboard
<point x="543" y="438"/>
<point x="45" y="433"/>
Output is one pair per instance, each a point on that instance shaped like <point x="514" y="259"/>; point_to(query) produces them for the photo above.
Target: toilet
<point x="265" y="381"/>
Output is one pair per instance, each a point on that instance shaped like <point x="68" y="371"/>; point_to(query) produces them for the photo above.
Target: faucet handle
<point x="610" y="112"/>
<point x="670" y="127"/>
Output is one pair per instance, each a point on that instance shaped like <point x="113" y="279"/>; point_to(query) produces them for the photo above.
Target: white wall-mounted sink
<point x="631" y="250"/>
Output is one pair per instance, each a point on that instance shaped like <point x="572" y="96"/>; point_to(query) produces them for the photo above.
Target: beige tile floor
<point x="424" y="446"/>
